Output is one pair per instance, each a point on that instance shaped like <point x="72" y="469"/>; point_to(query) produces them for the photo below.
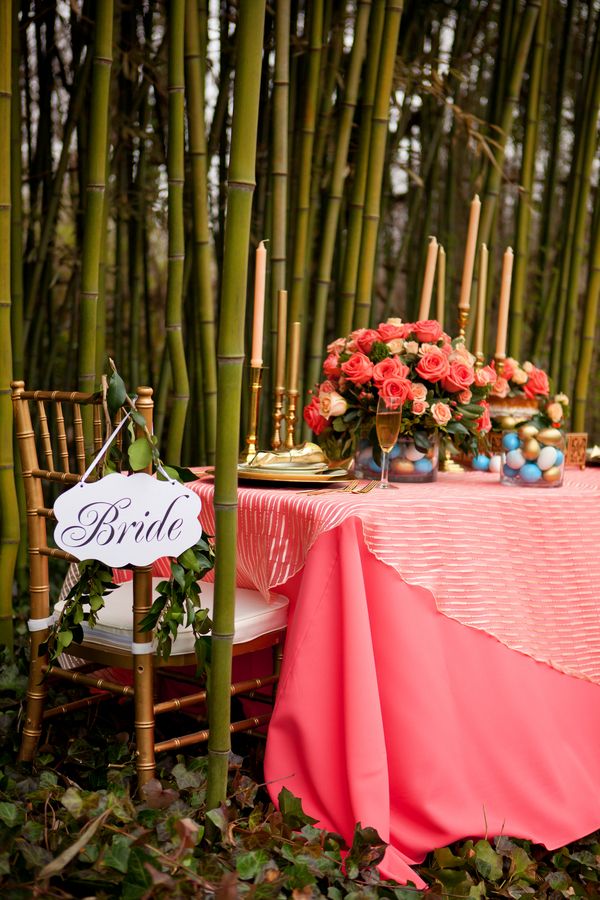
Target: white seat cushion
<point x="254" y="617"/>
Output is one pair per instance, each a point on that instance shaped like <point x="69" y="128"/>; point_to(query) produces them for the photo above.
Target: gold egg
<point x="552" y="475"/>
<point x="527" y="431"/>
<point x="531" y="449"/>
<point x="507" y="423"/>
<point x="402" y="466"/>
<point x="551" y="436"/>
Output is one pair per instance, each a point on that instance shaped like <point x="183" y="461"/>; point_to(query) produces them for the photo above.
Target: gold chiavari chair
<point x="112" y="643"/>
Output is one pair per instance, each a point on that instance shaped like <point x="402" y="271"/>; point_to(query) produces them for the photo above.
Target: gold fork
<point x="365" y="488"/>
<point x="348" y="488"/>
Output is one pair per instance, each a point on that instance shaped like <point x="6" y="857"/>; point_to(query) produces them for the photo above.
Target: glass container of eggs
<point x="408" y="462"/>
<point x="533" y="457"/>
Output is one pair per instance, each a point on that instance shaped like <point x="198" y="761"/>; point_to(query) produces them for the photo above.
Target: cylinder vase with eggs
<point x="533" y="457"/>
<point x="408" y="463"/>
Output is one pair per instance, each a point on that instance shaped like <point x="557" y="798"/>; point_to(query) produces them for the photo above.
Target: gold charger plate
<point x="291" y="477"/>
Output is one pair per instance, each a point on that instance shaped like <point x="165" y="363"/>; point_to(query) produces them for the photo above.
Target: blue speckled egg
<point x="510" y="440"/>
<point x="481" y="462"/>
<point x="423" y="466"/>
<point x="560" y="458"/>
<point x="530" y="472"/>
<point x="510" y="473"/>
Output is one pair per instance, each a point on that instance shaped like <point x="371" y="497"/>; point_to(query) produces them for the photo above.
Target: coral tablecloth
<point x="390" y="711"/>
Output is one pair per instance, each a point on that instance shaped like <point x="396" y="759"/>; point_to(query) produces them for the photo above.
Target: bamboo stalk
<point x="588" y="340"/>
<point x="530" y="142"/>
<point x="347" y="294"/>
<point x="9" y="515"/>
<point x="16" y="220"/>
<point x="336" y="190"/>
<point x="242" y="164"/>
<point x="175" y="165"/>
<point x="95" y="190"/>
<point x="379" y="129"/>
<point x="205" y="313"/>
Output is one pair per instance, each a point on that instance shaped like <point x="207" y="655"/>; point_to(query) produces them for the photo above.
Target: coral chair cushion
<point x="254" y="617"/>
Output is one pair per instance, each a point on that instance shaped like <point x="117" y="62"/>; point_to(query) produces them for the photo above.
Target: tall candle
<point x="294" y="356"/>
<point x="432" y="252"/>
<point x="507" y="267"/>
<point x="467" y="276"/>
<point x="441" y="286"/>
<point x="282" y="297"/>
<point x="258" y="322"/>
<point x="481" y="293"/>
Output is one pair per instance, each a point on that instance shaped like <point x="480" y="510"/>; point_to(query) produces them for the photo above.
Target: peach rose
<point x="331" y="366"/>
<point x="336" y="346"/>
<point x="388" y="368"/>
<point x="555" y="412"/>
<point x="461" y="354"/>
<point x="485" y="375"/>
<point x="364" y="338"/>
<point x="358" y="368"/>
<point x="396" y="346"/>
<point x="528" y="366"/>
<point x="419" y="391"/>
<point x="419" y="407"/>
<point x="484" y="423"/>
<point x="313" y="417"/>
<point x="396" y="390"/>
<point x="501" y="387"/>
<point x="465" y="396"/>
<point x="332" y="404"/>
<point x="537" y="384"/>
<point x="389" y="331"/>
<point x="459" y="377"/>
<point x="519" y="376"/>
<point x="441" y="413"/>
<point x="428" y="330"/>
<point x="433" y="366"/>
<point x="411" y="347"/>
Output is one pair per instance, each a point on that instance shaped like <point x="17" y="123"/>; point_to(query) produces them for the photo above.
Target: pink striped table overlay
<point x="520" y="564"/>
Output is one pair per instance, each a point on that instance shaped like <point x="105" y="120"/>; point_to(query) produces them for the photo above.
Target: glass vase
<point x="533" y="457"/>
<point x="407" y="462"/>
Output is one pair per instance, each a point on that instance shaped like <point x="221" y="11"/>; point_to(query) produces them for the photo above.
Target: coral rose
<point x="537" y="384"/>
<point x="358" y="368"/>
<point x="419" y="407"/>
<point x="419" y="391"/>
<point x="465" y="396"/>
<point x="428" y="330"/>
<point x="396" y="391"/>
<point x="313" y="417"/>
<point x="501" y="387"/>
<point x="388" y="368"/>
<point x="459" y="377"/>
<point x="433" y="366"/>
<point x="332" y="404"/>
<point x="485" y="375"/>
<point x="331" y="366"/>
<point x="389" y="331"/>
<point x="484" y="423"/>
<point x="441" y="413"/>
<point x="364" y="338"/>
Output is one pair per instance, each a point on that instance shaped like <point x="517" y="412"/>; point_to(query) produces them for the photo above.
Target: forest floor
<point x="72" y="826"/>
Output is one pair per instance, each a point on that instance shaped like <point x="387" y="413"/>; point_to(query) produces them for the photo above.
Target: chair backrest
<point x="51" y="441"/>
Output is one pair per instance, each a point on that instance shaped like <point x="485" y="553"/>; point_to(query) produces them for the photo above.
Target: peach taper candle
<point x="258" y="321"/>
<point x="507" y="267"/>
<point x="424" y="306"/>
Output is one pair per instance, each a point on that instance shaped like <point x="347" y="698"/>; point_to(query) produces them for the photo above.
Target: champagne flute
<point x="387" y="426"/>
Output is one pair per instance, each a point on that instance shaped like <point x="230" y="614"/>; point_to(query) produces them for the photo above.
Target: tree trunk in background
<point x="241" y="182"/>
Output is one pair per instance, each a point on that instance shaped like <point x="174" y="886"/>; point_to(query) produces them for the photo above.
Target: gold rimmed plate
<point x="291" y="477"/>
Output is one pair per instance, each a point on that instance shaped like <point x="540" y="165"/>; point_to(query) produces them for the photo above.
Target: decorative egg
<point x="560" y="457"/>
<point x="372" y="465"/>
<point x="395" y="451"/>
<point x="413" y="454"/>
<point x="495" y="463"/>
<point x="510" y="473"/>
<point x="424" y="466"/>
<point x="527" y="431"/>
<point x="530" y="473"/>
<point x="552" y="475"/>
<point x="402" y="466"/>
<point x="550" y="436"/>
<point x="481" y="462"/>
<point x="507" y="422"/>
<point x="510" y="441"/>
<point x="531" y="449"/>
<point x="515" y="459"/>
<point x="547" y="458"/>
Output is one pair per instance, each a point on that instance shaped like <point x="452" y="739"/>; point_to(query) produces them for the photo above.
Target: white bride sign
<point x="130" y="520"/>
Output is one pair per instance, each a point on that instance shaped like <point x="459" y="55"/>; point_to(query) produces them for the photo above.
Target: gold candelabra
<point x="278" y="415"/>
<point x="252" y="436"/>
<point x="463" y="321"/>
<point x="292" y="399"/>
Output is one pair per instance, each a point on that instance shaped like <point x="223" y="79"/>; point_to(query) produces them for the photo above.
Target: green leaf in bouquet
<point x="339" y="425"/>
<point x="116" y="394"/>
<point x="140" y="454"/>
<point x="422" y="441"/>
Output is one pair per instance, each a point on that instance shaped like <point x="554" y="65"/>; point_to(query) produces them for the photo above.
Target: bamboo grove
<point x="377" y="122"/>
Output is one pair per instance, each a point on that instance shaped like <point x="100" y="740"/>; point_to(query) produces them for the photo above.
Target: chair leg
<point x="143" y="676"/>
<point x="37" y="691"/>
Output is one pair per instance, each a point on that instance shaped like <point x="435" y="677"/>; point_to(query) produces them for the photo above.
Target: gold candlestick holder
<point x="479" y="359"/>
<point x="499" y="360"/>
<point x="278" y="415"/>
<point x="252" y="435"/>
<point x="290" y="418"/>
<point x="463" y="321"/>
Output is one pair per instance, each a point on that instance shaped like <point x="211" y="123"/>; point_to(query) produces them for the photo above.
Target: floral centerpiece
<point x="434" y="377"/>
<point x="524" y="388"/>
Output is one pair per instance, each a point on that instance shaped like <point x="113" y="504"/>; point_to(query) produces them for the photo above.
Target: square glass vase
<point x="533" y="457"/>
<point x="407" y="463"/>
